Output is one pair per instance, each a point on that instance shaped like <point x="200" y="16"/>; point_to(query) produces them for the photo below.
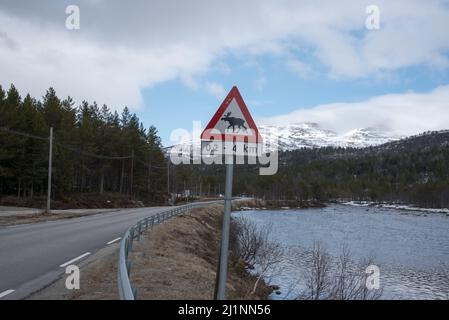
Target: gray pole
<point x="149" y="171"/>
<point x="122" y="176"/>
<point x="168" y="180"/>
<point x="50" y="158"/>
<point x="131" y="174"/>
<point x="223" y="262"/>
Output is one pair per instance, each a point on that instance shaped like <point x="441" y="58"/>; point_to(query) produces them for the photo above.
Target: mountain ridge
<point x="312" y="135"/>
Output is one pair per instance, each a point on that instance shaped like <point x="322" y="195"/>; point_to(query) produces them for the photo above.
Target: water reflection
<point x="411" y="249"/>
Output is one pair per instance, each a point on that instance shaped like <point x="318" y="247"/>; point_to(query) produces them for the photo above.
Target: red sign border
<point x="233" y="94"/>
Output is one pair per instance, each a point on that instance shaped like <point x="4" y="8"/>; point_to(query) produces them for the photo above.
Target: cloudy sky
<point x="294" y="61"/>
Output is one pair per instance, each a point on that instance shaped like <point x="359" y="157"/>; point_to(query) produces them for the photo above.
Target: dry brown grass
<point x="178" y="260"/>
<point x="43" y="217"/>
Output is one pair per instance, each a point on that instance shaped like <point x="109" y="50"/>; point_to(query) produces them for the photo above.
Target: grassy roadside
<point x="79" y="201"/>
<point x="12" y="220"/>
<point x="175" y="260"/>
<point x="178" y="260"/>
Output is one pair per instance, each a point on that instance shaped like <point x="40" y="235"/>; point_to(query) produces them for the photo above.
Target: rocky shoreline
<point x="397" y="206"/>
<point x="260" y="204"/>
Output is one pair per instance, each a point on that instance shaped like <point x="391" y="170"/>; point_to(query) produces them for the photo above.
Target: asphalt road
<point x="34" y="255"/>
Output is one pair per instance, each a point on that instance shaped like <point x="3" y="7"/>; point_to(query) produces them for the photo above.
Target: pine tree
<point x="87" y="142"/>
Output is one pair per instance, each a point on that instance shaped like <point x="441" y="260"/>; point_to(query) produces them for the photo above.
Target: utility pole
<point x="121" y="176"/>
<point x="132" y="173"/>
<point x="220" y="290"/>
<point x="149" y="171"/>
<point x="50" y="165"/>
<point x="168" y="179"/>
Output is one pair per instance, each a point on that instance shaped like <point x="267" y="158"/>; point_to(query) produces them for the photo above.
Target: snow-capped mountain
<point x="311" y="135"/>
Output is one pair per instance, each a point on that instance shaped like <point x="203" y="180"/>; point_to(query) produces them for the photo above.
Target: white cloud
<point x="88" y="70"/>
<point x="223" y="68"/>
<point x="216" y="89"/>
<point x="300" y="68"/>
<point x="402" y="114"/>
<point x="260" y="82"/>
<point x="122" y="48"/>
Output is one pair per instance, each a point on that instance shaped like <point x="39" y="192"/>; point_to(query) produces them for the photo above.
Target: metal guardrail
<point x="126" y="290"/>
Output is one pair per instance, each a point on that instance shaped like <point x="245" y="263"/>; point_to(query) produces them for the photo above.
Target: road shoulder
<point x="98" y="279"/>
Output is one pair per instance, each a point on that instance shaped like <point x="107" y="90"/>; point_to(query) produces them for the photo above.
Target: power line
<point x="77" y="150"/>
<point x="85" y="153"/>
<point x="148" y="166"/>
<point x="23" y="134"/>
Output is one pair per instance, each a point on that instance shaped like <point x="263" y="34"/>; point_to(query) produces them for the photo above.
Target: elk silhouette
<point x="233" y="122"/>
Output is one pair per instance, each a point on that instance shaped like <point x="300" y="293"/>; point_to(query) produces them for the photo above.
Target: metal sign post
<point x="50" y="158"/>
<point x="224" y="246"/>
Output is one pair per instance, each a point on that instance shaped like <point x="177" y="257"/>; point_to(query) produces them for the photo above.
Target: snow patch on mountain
<point x="311" y="135"/>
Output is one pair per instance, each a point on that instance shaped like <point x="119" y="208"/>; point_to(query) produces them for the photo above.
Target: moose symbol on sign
<point x="233" y="122"/>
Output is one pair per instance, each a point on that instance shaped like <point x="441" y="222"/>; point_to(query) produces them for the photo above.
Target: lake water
<point x="411" y="249"/>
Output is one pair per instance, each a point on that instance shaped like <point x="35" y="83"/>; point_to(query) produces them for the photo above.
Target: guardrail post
<point x="139" y="231"/>
<point x="128" y="266"/>
<point x="131" y="239"/>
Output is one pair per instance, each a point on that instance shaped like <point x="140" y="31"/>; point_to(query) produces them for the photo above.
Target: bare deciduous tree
<point x="255" y="247"/>
<point x="337" y="280"/>
<point x="268" y="258"/>
<point x="325" y="277"/>
<point x="444" y="270"/>
<point x="318" y="280"/>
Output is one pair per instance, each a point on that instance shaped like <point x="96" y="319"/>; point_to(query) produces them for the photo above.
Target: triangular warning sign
<point x="232" y="121"/>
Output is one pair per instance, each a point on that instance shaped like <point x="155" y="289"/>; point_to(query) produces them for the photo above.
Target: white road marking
<point x="73" y="260"/>
<point x="115" y="240"/>
<point x="5" y="293"/>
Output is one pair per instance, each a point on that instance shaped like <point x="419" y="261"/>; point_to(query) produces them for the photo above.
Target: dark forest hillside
<point x="414" y="170"/>
<point x="95" y="150"/>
